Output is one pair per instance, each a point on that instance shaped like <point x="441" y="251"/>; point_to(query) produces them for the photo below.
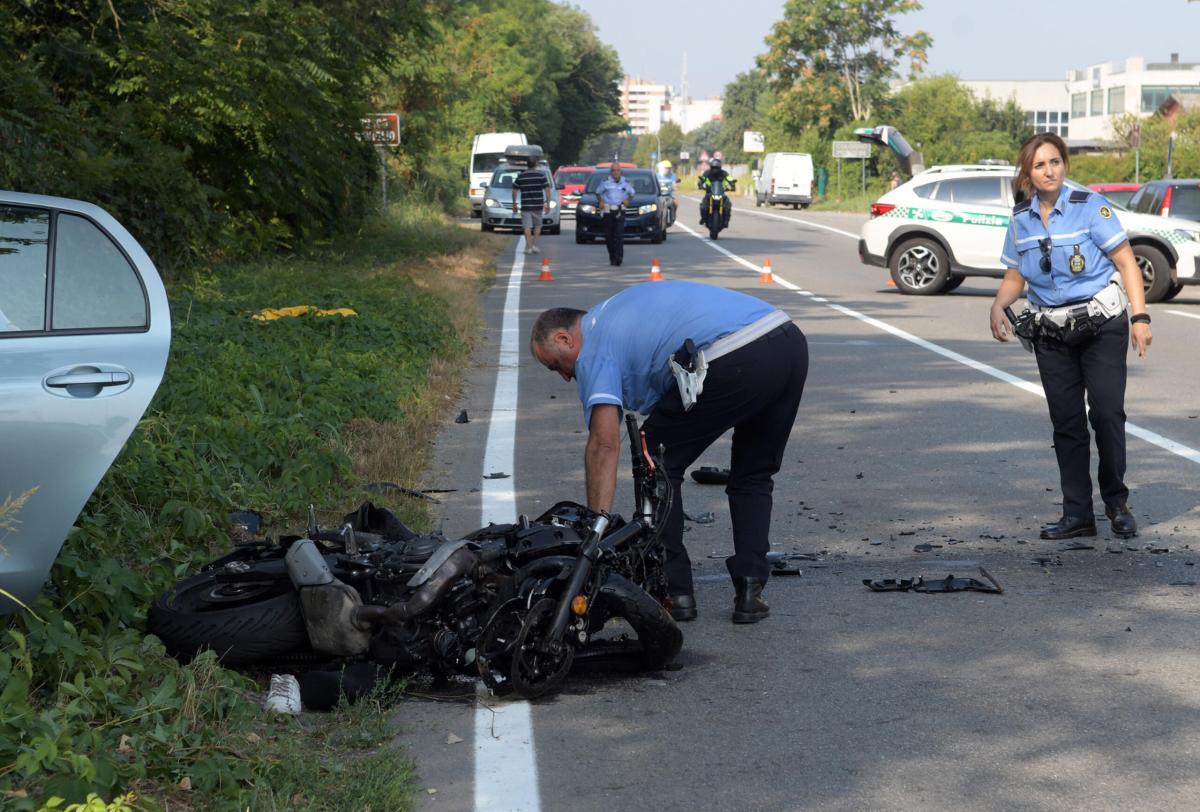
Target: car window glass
<point x="974" y="191"/>
<point x="1185" y="202"/>
<point x="644" y="185"/>
<point x="1150" y="202"/>
<point x="1136" y="202"/>
<point x="24" y="244"/>
<point x="95" y="286"/>
<point x="925" y="190"/>
<point x="572" y="178"/>
<point x="486" y="161"/>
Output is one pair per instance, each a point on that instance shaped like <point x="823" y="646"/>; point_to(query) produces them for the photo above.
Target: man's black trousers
<point x="614" y="236"/>
<point x="755" y="391"/>
<point x="1097" y="367"/>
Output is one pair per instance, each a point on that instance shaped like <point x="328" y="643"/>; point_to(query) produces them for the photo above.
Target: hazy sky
<point x="1020" y="39"/>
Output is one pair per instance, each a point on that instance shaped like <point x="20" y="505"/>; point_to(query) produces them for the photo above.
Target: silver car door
<point x="83" y="347"/>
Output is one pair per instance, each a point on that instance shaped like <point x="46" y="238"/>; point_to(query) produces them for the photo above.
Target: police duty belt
<point x="1068" y="321"/>
<point x="689" y="365"/>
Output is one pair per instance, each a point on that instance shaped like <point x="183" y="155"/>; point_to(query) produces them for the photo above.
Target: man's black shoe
<point x="748" y="603"/>
<point x="1069" y="527"/>
<point x="1121" y="521"/>
<point x="683" y="607"/>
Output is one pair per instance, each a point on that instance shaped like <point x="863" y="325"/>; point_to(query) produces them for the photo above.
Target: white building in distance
<point x="694" y="113"/>
<point x="1081" y="108"/>
<point x="644" y="104"/>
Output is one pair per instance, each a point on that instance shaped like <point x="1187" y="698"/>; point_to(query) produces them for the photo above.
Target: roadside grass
<point x="270" y="415"/>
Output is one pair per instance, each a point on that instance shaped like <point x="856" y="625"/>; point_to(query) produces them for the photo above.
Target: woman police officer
<point x="1064" y="243"/>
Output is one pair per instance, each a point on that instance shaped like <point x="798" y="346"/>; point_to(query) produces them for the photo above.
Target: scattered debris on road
<point x="462" y="417"/>
<point x="701" y="518"/>
<point x="497" y="475"/>
<point x="950" y="583"/>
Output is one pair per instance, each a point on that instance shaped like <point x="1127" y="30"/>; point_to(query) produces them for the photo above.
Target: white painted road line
<point x="1181" y="313"/>
<point x="505" y="761"/>
<point x="797" y="220"/>
<point x="1188" y="453"/>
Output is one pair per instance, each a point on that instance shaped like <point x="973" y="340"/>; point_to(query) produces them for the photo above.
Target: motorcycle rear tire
<point x="243" y="624"/>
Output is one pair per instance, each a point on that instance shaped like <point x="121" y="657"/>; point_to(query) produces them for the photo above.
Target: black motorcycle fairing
<point x="371" y="519"/>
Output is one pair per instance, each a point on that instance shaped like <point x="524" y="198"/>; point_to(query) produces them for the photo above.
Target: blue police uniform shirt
<point x="1082" y="223"/>
<point x="614" y="192"/>
<point x="628" y="340"/>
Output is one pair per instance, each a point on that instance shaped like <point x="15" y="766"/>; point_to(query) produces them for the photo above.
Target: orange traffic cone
<point x="655" y="271"/>
<point x="765" y="278"/>
<point x="545" y="275"/>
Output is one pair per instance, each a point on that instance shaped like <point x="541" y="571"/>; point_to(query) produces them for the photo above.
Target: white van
<point x="786" y="177"/>
<point x="486" y="154"/>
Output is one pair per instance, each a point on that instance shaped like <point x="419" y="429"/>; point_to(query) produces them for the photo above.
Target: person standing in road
<point x="533" y="184"/>
<point x="752" y="362"/>
<point x="1064" y="243"/>
<point x="612" y="196"/>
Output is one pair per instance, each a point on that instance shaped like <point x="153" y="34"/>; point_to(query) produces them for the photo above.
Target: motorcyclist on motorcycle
<point x="666" y="181"/>
<point x="715" y="175"/>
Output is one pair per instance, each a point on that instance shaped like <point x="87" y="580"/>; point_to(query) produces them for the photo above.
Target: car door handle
<point x="89" y="379"/>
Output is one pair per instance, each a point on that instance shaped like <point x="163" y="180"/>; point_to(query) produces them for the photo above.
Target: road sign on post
<point x="851" y="149"/>
<point x="381" y="129"/>
<point x="752" y="141"/>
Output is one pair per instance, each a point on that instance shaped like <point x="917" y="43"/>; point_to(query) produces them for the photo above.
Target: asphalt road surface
<point x="1075" y="688"/>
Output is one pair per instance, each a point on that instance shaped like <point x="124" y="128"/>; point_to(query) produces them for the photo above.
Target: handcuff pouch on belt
<point x="689" y="368"/>
<point x="1070" y="324"/>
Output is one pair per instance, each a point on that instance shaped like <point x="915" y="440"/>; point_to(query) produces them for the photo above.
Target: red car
<point x="1169" y="197"/>
<point x="570" y="181"/>
<point x="1117" y="193"/>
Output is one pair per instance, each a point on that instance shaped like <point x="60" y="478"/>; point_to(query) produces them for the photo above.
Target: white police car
<point x="949" y="222"/>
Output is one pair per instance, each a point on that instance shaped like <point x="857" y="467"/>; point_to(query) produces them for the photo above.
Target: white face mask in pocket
<point x="689" y="368"/>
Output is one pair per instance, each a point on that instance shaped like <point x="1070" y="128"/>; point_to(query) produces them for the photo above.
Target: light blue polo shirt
<point x="1082" y="223"/>
<point x="628" y="339"/>
<point x="614" y="192"/>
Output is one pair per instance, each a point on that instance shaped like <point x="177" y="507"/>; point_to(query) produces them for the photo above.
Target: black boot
<point x="683" y="607"/>
<point x="748" y="603"/>
<point x="1069" y="527"/>
<point x="1123" y="524"/>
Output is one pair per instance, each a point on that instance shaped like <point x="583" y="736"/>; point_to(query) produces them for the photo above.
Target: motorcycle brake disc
<point x="535" y="672"/>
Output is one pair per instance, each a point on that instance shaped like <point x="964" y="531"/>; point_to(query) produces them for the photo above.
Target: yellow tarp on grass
<point x="272" y="313"/>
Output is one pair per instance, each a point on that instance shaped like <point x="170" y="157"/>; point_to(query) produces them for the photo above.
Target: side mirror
<point x="483" y="185"/>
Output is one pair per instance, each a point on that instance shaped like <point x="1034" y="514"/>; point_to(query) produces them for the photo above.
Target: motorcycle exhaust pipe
<point x="460" y="563"/>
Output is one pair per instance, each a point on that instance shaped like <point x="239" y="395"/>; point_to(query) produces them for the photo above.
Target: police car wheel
<point x="1156" y="272"/>
<point x="920" y="267"/>
<point x="953" y="282"/>
<point x="1172" y="291"/>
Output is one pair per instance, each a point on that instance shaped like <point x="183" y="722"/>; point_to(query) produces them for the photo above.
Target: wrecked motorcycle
<point x="513" y="603"/>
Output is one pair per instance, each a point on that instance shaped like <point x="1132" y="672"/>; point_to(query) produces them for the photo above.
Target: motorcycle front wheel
<point x="244" y="623"/>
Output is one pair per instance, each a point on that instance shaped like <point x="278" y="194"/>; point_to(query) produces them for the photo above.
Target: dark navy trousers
<point x="756" y="392"/>
<point x="1095" y="368"/>
<point x="614" y="236"/>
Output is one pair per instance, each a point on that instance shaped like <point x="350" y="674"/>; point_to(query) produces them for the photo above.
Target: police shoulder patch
<point x="1105" y="212"/>
<point x="1079" y="196"/>
<point x="1023" y="205"/>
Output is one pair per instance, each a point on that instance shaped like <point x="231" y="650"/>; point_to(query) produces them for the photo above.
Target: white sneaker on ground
<point x="528" y="250"/>
<point x="535" y="250"/>
<point x="284" y="695"/>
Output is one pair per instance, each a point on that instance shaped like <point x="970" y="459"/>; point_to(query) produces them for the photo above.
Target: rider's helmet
<point x="666" y="164"/>
<point x="715" y="163"/>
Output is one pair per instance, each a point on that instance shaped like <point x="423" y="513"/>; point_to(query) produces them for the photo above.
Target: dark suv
<point x="1170" y="198"/>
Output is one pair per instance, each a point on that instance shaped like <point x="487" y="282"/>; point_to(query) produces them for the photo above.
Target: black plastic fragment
<point x="462" y="417"/>
<point x="950" y="583"/>
<point x="711" y="475"/>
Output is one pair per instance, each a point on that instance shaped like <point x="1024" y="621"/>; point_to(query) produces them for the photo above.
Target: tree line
<point x="831" y="66"/>
<point x="212" y="126"/>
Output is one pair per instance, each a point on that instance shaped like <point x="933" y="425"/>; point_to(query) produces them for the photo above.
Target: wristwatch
<point x="1143" y="318"/>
